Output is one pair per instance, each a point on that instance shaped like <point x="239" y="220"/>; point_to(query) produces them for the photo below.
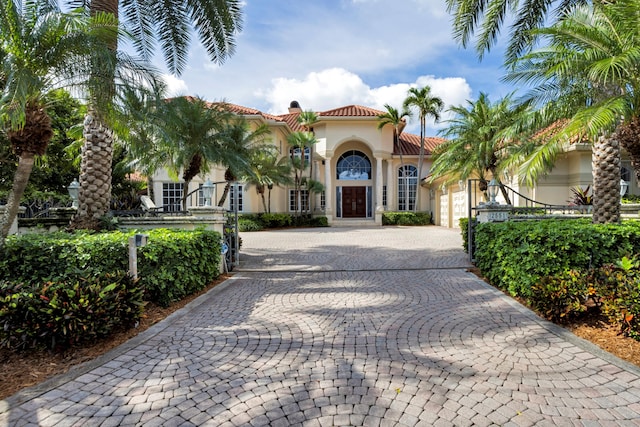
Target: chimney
<point x="294" y="107"/>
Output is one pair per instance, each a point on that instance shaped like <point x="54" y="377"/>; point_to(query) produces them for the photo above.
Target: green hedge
<point x="515" y="255"/>
<point x="406" y="218"/>
<point x="62" y="313"/>
<point x="257" y="222"/>
<point x="174" y="264"/>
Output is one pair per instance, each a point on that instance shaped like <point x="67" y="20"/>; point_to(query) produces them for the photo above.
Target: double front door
<point x="354" y="202"/>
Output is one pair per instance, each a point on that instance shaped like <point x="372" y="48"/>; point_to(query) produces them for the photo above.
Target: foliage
<point x="276" y="220"/>
<point x="464" y="231"/>
<point x="58" y="314"/>
<point x="515" y="255"/>
<point x="580" y="196"/>
<point x="250" y="224"/>
<point x="406" y="218"/>
<point x="561" y="296"/>
<point x="174" y="264"/>
<point x="630" y="199"/>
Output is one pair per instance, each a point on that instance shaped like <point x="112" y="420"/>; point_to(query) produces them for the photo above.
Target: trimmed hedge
<point x="515" y="255"/>
<point x="406" y="218"/>
<point x="174" y="264"/>
<point x="258" y="222"/>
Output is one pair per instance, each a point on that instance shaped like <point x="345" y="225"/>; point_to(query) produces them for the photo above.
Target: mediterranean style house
<point x="362" y="172"/>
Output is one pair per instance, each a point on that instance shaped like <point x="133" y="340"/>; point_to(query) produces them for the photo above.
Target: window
<point x="384" y="195"/>
<point x="323" y="200"/>
<point x="172" y="196"/>
<point x="407" y="186"/>
<point x="233" y="197"/>
<point x="353" y="165"/>
<point x="307" y="154"/>
<point x="301" y="205"/>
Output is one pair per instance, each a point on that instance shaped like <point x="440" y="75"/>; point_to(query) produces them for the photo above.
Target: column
<point x="379" y="207"/>
<point x="391" y="189"/>
<point x="328" y="188"/>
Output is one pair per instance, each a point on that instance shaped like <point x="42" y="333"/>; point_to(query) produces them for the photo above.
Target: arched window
<point x="354" y="165"/>
<point x="407" y="186"/>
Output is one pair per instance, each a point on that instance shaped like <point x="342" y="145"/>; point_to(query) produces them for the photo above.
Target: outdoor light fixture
<point x="74" y="192"/>
<point x="492" y="190"/>
<point x="624" y="185"/>
<point x="207" y="192"/>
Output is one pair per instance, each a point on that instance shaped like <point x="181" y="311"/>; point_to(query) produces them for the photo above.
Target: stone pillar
<point x="391" y="203"/>
<point x="328" y="189"/>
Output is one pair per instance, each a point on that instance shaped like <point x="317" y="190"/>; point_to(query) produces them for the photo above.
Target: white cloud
<point x="175" y="86"/>
<point x="336" y="87"/>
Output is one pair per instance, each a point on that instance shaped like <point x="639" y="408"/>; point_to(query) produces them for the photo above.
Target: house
<point x="362" y="172"/>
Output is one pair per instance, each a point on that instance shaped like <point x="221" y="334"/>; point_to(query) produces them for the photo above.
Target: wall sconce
<point x="624" y="185"/>
<point x="207" y="192"/>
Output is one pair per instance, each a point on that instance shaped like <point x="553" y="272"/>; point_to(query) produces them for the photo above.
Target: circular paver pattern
<point x="345" y="327"/>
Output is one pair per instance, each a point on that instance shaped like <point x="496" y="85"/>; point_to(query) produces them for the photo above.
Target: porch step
<point x="354" y="223"/>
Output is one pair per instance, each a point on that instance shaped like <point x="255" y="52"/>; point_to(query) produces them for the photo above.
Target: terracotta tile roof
<point x="292" y="120"/>
<point x="239" y="109"/>
<point x="351" y="111"/>
<point x="409" y="144"/>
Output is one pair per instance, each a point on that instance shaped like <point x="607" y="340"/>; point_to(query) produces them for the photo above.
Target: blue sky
<point x="327" y="54"/>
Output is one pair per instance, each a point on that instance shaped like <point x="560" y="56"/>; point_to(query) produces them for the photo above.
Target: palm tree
<point x="41" y="49"/>
<point x="397" y="119"/>
<point x="266" y="171"/>
<point x="307" y="119"/>
<point x="427" y="105"/>
<point x="593" y="57"/>
<point x="216" y="22"/>
<point x="240" y="143"/>
<point x="298" y="143"/>
<point x="480" y="139"/>
<point x="487" y="16"/>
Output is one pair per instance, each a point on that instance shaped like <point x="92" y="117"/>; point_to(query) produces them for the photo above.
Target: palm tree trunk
<point x="420" y="162"/>
<point x="225" y="193"/>
<point x="185" y="193"/>
<point x="606" y="180"/>
<point x="95" y="177"/>
<point x="20" y="181"/>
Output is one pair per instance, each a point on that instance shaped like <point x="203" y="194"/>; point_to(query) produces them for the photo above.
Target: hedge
<point x="406" y="218"/>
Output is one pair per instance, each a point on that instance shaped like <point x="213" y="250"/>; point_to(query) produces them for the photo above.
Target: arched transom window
<point x="354" y="165"/>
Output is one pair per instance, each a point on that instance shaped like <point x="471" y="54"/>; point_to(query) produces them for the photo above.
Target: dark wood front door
<point x="354" y="202"/>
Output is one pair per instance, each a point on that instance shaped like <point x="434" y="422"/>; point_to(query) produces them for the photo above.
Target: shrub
<point x="561" y="296"/>
<point x="406" y="218"/>
<point x="61" y="313"/>
<point x="276" y="220"/>
<point x="249" y="224"/>
<point x="464" y="230"/>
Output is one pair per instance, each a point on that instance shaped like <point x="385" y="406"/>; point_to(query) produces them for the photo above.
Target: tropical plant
<point x="267" y="170"/>
<point x="41" y="49"/>
<point x="216" y="22"/>
<point x="397" y="119"/>
<point x="480" y="140"/>
<point x="298" y="143"/>
<point x="307" y="119"/>
<point x="428" y="106"/>
<point x="239" y="143"/>
<point x="592" y="57"/>
<point x="487" y="16"/>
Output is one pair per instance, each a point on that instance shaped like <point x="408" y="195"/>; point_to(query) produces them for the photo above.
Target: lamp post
<point x="492" y="191"/>
<point x="74" y="192"/>
<point x="624" y="185"/>
<point x="207" y="192"/>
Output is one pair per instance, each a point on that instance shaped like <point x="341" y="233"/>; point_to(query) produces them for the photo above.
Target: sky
<point x="332" y="53"/>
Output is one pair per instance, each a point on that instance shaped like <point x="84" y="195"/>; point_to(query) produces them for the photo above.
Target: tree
<point x="487" y="16"/>
<point x="240" y="143"/>
<point x="298" y="143"/>
<point x="307" y="119"/>
<point x="480" y="139"/>
<point x="592" y="58"/>
<point x="216" y="22"/>
<point x="427" y="105"/>
<point x="397" y="119"/>
<point x="41" y="49"/>
<point x="267" y="170"/>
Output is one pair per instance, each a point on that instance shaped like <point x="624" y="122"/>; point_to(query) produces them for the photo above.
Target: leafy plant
<point x="560" y="296"/>
<point x="406" y="218"/>
<point x="580" y="196"/>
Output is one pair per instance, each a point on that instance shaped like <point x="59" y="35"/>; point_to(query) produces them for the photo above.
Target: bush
<point x="275" y="220"/>
<point x="561" y="296"/>
<point x="174" y="264"/>
<point x="464" y="230"/>
<point x="249" y="224"/>
<point x="62" y="313"/>
<point x="516" y="255"/>
<point x="406" y="218"/>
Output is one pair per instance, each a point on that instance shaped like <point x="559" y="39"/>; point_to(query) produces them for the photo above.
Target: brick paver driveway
<point x="370" y="326"/>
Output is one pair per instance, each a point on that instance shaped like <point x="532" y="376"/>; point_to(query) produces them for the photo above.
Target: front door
<point x="354" y="202"/>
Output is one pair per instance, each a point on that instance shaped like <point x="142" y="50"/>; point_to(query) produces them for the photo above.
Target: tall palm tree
<point x="307" y="118"/>
<point x="240" y="143"/>
<point x="216" y="22"/>
<point x="427" y="106"/>
<point x="487" y="17"/>
<point x="298" y="142"/>
<point x="397" y="119"/>
<point x="480" y="139"/>
<point x="267" y="170"/>
<point x="594" y="49"/>
<point x="41" y="49"/>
